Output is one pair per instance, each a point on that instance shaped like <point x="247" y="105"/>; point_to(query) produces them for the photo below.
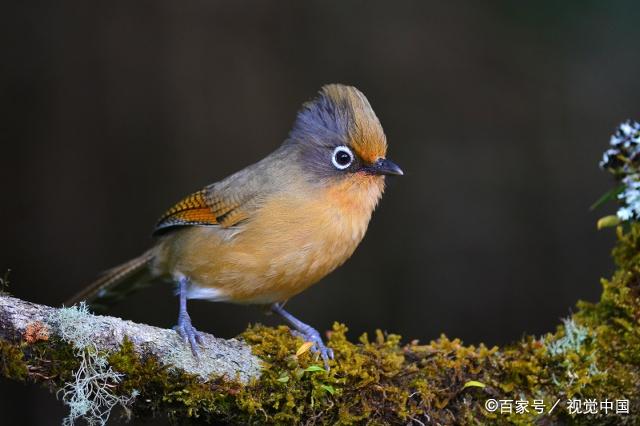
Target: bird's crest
<point x="342" y="112"/>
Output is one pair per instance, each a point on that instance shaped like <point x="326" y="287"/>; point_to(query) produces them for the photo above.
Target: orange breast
<point x="293" y="241"/>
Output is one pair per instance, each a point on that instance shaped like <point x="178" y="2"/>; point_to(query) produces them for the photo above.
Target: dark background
<point x="497" y="111"/>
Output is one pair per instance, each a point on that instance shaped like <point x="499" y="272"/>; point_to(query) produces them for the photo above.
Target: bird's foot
<point x="188" y="333"/>
<point x="310" y="334"/>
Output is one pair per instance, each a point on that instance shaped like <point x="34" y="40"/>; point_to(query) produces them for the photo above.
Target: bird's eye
<point x="342" y="157"/>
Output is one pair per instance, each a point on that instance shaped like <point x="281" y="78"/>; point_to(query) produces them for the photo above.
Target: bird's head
<point x="338" y="136"/>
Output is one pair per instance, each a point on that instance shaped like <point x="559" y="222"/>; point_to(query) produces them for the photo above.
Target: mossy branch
<point x="26" y="322"/>
<point x="594" y="355"/>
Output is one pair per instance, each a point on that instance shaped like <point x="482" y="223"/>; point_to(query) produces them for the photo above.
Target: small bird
<point x="271" y="230"/>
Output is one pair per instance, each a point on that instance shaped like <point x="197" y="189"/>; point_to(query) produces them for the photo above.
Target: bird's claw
<point x="188" y="333"/>
<point x="310" y="334"/>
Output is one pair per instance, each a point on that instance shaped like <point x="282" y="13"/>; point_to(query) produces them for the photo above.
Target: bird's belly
<point x="285" y="248"/>
<point x="255" y="266"/>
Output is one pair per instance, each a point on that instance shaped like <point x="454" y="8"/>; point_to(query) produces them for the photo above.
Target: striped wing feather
<point x="204" y="208"/>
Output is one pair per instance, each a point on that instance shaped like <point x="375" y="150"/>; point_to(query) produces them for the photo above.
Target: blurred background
<point x="497" y="111"/>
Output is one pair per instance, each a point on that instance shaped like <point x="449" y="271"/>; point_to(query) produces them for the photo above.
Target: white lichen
<point x="574" y="337"/>
<point x="622" y="159"/>
<point x="73" y="325"/>
<point x="625" y="146"/>
<point x="630" y="197"/>
<point x="90" y="395"/>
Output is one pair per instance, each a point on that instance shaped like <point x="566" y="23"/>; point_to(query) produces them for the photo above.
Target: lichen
<point x="622" y="160"/>
<point x="573" y="339"/>
<point x="90" y="392"/>
<point x="35" y="332"/>
<point x="71" y="325"/>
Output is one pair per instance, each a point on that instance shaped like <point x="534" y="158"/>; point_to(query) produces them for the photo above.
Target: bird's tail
<point x="116" y="283"/>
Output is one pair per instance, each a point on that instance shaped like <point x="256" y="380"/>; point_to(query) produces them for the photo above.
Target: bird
<point x="271" y="230"/>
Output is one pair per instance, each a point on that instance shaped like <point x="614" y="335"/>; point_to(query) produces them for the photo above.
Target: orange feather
<point x="365" y="133"/>
<point x="190" y="210"/>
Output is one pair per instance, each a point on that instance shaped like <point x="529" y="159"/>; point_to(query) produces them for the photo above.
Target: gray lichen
<point x="574" y="337"/>
<point x="90" y="395"/>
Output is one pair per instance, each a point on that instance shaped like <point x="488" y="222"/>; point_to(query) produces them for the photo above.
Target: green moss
<point x="379" y="380"/>
<point x="12" y="363"/>
<point x="376" y="380"/>
<point x="163" y="392"/>
<point x="53" y="361"/>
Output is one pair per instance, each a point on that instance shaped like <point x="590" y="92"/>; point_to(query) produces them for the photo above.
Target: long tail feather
<point x="116" y="283"/>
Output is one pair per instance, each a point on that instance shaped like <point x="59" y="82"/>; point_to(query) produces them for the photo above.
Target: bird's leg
<point x="184" y="327"/>
<point x="307" y="332"/>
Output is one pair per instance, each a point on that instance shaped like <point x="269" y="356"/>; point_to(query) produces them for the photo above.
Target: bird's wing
<point x="232" y="200"/>
<point x="211" y="206"/>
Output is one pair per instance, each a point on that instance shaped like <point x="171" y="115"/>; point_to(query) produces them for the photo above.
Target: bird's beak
<point x="385" y="167"/>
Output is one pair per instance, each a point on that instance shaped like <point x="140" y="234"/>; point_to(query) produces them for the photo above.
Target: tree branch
<point x="218" y="357"/>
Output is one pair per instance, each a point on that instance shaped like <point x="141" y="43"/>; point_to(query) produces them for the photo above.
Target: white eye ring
<point x="337" y="158"/>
